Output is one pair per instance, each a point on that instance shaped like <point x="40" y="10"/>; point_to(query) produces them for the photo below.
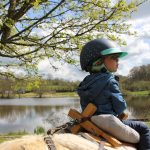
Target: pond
<point x="28" y="113"/>
<point x="139" y="107"/>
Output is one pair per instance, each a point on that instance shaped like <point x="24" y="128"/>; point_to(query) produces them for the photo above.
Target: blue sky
<point x="138" y="48"/>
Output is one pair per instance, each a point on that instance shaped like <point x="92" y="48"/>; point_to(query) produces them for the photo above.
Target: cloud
<point x="138" y="47"/>
<point x="143" y="11"/>
<point x="64" y="71"/>
<point x="138" y="54"/>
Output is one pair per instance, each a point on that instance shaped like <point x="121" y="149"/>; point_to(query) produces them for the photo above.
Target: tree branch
<point x="9" y="39"/>
<point x="103" y="20"/>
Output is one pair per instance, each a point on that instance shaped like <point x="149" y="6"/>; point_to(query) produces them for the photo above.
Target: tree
<point x="31" y="30"/>
<point x="138" y="79"/>
<point x="41" y="87"/>
<point x="140" y="73"/>
<point x="6" y="87"/>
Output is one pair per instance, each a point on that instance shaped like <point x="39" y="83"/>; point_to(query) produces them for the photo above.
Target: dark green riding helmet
<point x="95" y="49"/>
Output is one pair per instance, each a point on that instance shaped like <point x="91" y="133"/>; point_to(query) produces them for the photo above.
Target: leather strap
<point x="48" y="140"/>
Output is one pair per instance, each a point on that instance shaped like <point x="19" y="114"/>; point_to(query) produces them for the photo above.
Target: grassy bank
<point x="11" y="135"/>
<point x="74" y="94"/>
<point x="45" y="95"/>
<point x="71" y="94"/>
<point x="14" y="135"/>
<point x="139" y="93"/>
<point x="50" y="95"/>
<point x="148" y="124"/>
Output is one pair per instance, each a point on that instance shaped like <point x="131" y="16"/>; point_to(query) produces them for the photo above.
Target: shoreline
<point x="45" y="95"/>
<point x="67" y="94"/>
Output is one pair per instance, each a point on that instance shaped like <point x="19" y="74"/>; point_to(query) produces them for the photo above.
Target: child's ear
<point x="117" y="78"/>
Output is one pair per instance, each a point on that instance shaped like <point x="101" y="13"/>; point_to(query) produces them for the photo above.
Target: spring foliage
<point x="31" y="30"/>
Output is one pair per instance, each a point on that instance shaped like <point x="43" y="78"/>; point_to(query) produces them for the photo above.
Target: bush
<point x="39" y="130"/>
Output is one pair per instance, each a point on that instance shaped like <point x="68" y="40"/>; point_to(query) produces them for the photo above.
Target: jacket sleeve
<point x="118" y="102"/>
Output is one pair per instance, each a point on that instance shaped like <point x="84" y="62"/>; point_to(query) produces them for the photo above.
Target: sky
<point x="138" y="49"/>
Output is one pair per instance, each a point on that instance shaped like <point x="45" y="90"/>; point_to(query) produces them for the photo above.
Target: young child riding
<point x="100" y="57"/>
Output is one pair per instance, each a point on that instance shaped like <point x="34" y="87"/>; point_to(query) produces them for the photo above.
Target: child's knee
<point x="143" y="128"/>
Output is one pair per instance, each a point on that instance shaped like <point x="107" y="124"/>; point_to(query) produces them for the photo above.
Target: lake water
<point x="28" y="113"/>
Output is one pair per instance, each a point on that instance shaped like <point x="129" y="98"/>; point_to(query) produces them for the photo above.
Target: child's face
<point x="111" y="62"/>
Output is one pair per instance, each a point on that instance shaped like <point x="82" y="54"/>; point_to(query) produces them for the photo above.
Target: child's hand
<point x="123" y="116"/>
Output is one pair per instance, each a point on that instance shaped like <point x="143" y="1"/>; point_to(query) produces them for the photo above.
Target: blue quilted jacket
<point x="102" y="89"/>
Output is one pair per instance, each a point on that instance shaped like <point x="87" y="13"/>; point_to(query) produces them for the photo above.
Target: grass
<point x="11" y="135"/>
<point x="139" y="93"/>
<point x="148" y="124"/>
<point x="73" y="94"/>
<point x="14" y="135"/>
<point x="47" y="95"/>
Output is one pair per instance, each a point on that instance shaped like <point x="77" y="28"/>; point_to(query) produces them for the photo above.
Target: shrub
<point x="39" y="130"/>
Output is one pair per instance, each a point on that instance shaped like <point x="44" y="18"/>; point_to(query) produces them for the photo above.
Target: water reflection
<point x="27" y="114"/>
<point x="139" y="106"/>
<point x="15" y="116"/>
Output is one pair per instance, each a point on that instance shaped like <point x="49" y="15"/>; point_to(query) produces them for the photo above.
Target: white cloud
<point x="138" y="47"/>
<point x="138" y="54"/>
<point x="143" y="11"/>
<point x="64" y="71"/>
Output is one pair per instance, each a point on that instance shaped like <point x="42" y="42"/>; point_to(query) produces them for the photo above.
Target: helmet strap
<point x="98" y="66"/>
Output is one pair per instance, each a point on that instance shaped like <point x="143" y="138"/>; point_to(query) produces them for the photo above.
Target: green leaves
<point x="36" y="3"/>
<point x="38" y="29"/>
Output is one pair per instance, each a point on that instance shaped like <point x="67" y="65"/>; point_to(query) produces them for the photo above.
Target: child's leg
<point x="144" y="132"/>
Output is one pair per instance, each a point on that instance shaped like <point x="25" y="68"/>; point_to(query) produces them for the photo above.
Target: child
<point x="100" y="58"/>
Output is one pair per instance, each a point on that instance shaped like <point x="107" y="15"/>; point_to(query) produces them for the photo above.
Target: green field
<point x="139" y="93"/>
<point x="73" y="94"/>
<point x="46" y="95"/>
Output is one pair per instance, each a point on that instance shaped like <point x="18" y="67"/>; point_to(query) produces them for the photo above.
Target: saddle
<point x="81" y="121"/>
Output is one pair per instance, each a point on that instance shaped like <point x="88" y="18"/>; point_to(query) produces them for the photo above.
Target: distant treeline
<point x="137" y="80"/>
<point x="10" y="87"/>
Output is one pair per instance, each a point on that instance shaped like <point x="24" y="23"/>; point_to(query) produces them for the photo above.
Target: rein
<point x="50" y="144"/>
<point x="48" y="139"/>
